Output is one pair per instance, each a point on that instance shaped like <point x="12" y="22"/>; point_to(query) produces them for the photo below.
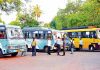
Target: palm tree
<point x="37" y="12"/>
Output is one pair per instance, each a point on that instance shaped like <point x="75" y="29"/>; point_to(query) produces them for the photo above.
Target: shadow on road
<point x="40" y="51"/>
<point x="88" y="51"/>
<point x="9" y="56"/>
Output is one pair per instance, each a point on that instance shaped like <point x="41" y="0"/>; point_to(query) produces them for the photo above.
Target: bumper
<point x="16" y="50"/>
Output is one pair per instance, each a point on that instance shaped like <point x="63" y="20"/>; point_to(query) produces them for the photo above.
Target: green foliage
<point x="37" y="11"/>
<point x="47" y="25"/>
<point x="59" y="21"/>
<point x="53" y="24"/>
<point x="1" y="21"/>
<point x="27" y="20"/>
<point x="24" y="21"/>
<point x="92" y="9"/>
<point x="58" y="24"/>
<point x="78" y="14"/>
<point x="10" y="5"/>
<point x="16" y="22"/>
<point x="23" y="18"/>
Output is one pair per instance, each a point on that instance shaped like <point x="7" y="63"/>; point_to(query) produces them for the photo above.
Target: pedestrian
<point x="58" y="45"/>
<point x="24" y="51"/>
<point x="33" y="47"/>
<point x="55" y="38"/>
<point x="72" y="46"/>
<point x="1" y="54"/>
<point x="49" y="45"/>
<point x="64" y="45"/>
<point x="80" y="44"/>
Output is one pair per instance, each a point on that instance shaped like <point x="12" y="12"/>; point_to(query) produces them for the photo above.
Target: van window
<point x="2" y="35"/>
<point x="93" y="34"/>
<point x="35" y="34"/>
<point x="26" y="34"/>
<point x="98" y="34"/>
<point x="14" y="33"/>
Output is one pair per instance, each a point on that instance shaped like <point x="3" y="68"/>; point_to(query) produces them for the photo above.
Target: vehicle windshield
<point x="68" y="40"/>
<point x="2" y="34"/>
<point x="98" y="34"/>
<point x="14" y="33"/>
<point x="38" y="34"/>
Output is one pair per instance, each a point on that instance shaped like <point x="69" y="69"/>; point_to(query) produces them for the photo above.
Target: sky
<point x="8" y="18"/>
<point x="49" y="10"/>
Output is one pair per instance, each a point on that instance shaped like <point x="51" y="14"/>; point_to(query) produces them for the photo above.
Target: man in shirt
<point x="33" y="47"/>
<point x="72" y="46"/>
<point x="58" y="45"/>
<point x="49" y="45"/>
<point x="80" y="43"/>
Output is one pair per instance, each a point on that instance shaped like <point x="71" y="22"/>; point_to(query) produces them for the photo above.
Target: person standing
<point x="1" y="54"/>
<point x="72" y="46"/>
<point x="80" y="44"/>
<point x="33" y="47"/>
<point x="24" y="51"/>
<point x="58" y="45"/>
<point x="64" y="44"/>
<point x="49" y="46"/>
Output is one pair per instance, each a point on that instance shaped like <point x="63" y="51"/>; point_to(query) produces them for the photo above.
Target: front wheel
<point x="1" y="54"/>
<point x="46" y="49"/>
<point x="27" y="47"/>
<point x="91" y="48"/>
<point x="77" y="49"/>
<point x="14" y="54"/>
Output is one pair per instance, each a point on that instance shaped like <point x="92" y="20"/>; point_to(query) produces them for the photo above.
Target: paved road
<point x="76" y="61"/>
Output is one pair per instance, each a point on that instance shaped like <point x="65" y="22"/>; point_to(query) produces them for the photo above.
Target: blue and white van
<point x="40" y="34"/>
<point x="11" y="40"/>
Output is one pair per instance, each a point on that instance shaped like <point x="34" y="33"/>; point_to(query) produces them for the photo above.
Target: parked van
<point x="11" y="40"/>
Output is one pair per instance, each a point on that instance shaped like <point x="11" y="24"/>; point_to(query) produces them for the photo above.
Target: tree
<point x="37" y="12"/>
<point x="27" y="20"/>
<point x="53" y="24"/>
<point x="79" y="14"/>
<point x="67" y="17"/>
<point x="47" y="25"/>
<point x="1" y="20"/>
<point x="10" y="5"/>
<point x="91" y="8"/>
<point x="15" y="22"/>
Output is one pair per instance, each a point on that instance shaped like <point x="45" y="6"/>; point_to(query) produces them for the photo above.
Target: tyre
<point x="80" y="48"/>
<point x="46" y="49"/>
<point x="14" y="54"/>
<point x="77" y="49"/>
<point x="1" y="54"/>
<point x="91" y="48"/>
